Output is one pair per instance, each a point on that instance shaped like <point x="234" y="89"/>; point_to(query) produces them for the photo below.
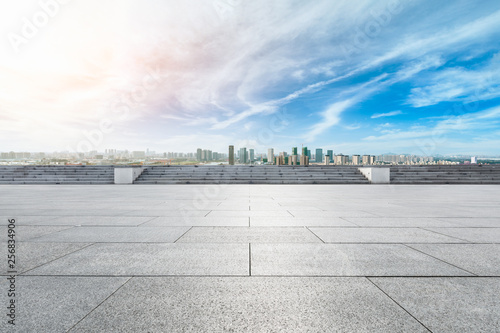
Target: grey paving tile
<point x="115" y="234"/>
<point x="346" y="260"/>
<point x="26" y="220"/>
<point x="177" y="212"/>
<point x="30" y="255"/>
<point x="55" y="304"/>
<point x="381" y="235"/>
<point x="152" y="259"/>
<point x="23" y="212"/>
<point x="248" y="235"/>
<point x="29" y="233"/>
<point x="475" y="235"/>
<point x="414" y="222"/>
<point x="84" y="212"/>
<point x="474" y="222"/>
<point x="96" y="220"/>
<point x="480" y="259"/>
<point x="448" y="305"/>
<point x="332" y="213"/>
<point x="249" y="304"/>
<point x="227" y="213"/>
<point x="289" y="221"/>
<point x="170" y="221"/>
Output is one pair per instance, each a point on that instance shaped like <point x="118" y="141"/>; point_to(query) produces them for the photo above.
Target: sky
<point x="357" y="77"/>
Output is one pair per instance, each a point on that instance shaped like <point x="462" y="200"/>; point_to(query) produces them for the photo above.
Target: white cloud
<point x="486" y="119"/>
<point x="459" y="84"/>
<point x="387" y="114"/>
<point x="330" y="117"/>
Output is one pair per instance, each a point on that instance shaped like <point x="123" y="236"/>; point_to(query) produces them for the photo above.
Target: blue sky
<point x="365" y="77"/>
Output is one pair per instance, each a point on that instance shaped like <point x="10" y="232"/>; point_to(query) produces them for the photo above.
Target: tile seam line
<point x="180" y="235"/>
<point x="315" y="235"/>
<point x="151" y="219"/>
<point x="463" y="269"/>
<point x="98" y="305"/>
<point x="440" y="233"/>
<point x="399" y="305"/>
<point x="50" y="233"/>
<point x="48" y="262"/>
<point x="345" y="219"/>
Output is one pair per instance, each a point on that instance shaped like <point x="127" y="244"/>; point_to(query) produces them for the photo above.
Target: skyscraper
<point x="231" y="155"/>
<point x="243" y="155"/>
<point x="198" y="154"/>
<point x="270" y="155"/>
<point x="330" y="153"/>
<point x="252" y="155"/>
<point x="319" y="155"/>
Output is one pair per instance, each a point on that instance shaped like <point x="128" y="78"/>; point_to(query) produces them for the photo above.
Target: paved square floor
<point x="252" y="258"/>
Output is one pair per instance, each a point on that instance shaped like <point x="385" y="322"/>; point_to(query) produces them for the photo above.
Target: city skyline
<point x="365" y="78"/>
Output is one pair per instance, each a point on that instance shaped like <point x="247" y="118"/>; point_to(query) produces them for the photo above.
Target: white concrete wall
<point x="377" y="175"/>
<point x="127" y="175"/>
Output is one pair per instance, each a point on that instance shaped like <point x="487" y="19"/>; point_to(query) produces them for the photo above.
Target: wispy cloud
<point x="387" y="114"/>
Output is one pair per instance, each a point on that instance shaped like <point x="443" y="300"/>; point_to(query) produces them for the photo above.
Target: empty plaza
<point x="252" y="258"/>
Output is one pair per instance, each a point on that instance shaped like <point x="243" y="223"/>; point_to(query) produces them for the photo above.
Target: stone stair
<point x="235" y="174"/>
<point x="445" y="174"/>
<point x="53" y="174"/>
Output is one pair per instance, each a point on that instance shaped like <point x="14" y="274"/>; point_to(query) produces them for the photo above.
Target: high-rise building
<point x="231" y="155"/>
<point x="330" y="153"/>
<point x="304" y="160"/>
<point x="319" y="155"/>
<point x="270" y="155"/>
<point x="356" y="159"/>
<point x="243" y="155"/>
<point x="252" y="155"/>
<point x="294" y="151"/>
<point x="339" y="159"/>
<point x="372" y="159"/>
<point x="327" y="159"/>
<point x="366" y="159"/>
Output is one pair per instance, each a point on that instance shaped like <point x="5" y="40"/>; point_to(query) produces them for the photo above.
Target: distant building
<point x="372" y="160"/>
<point x="330" y="153"/>
<point x="341" y="159"/>
<point x="137" y="154"/>
<point x="366" y="159"/>
<point x="243" y="155"/>
<point x="473" y="160"/>
<point x="304" y="160"/>
<point x="327" y="159"/>
<point x="319" y="155"/>
<point x="252" y="155"/>
<point x="356" y="160"/>
<point x="270" y="155"/>
<point x="231" y="155"/>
